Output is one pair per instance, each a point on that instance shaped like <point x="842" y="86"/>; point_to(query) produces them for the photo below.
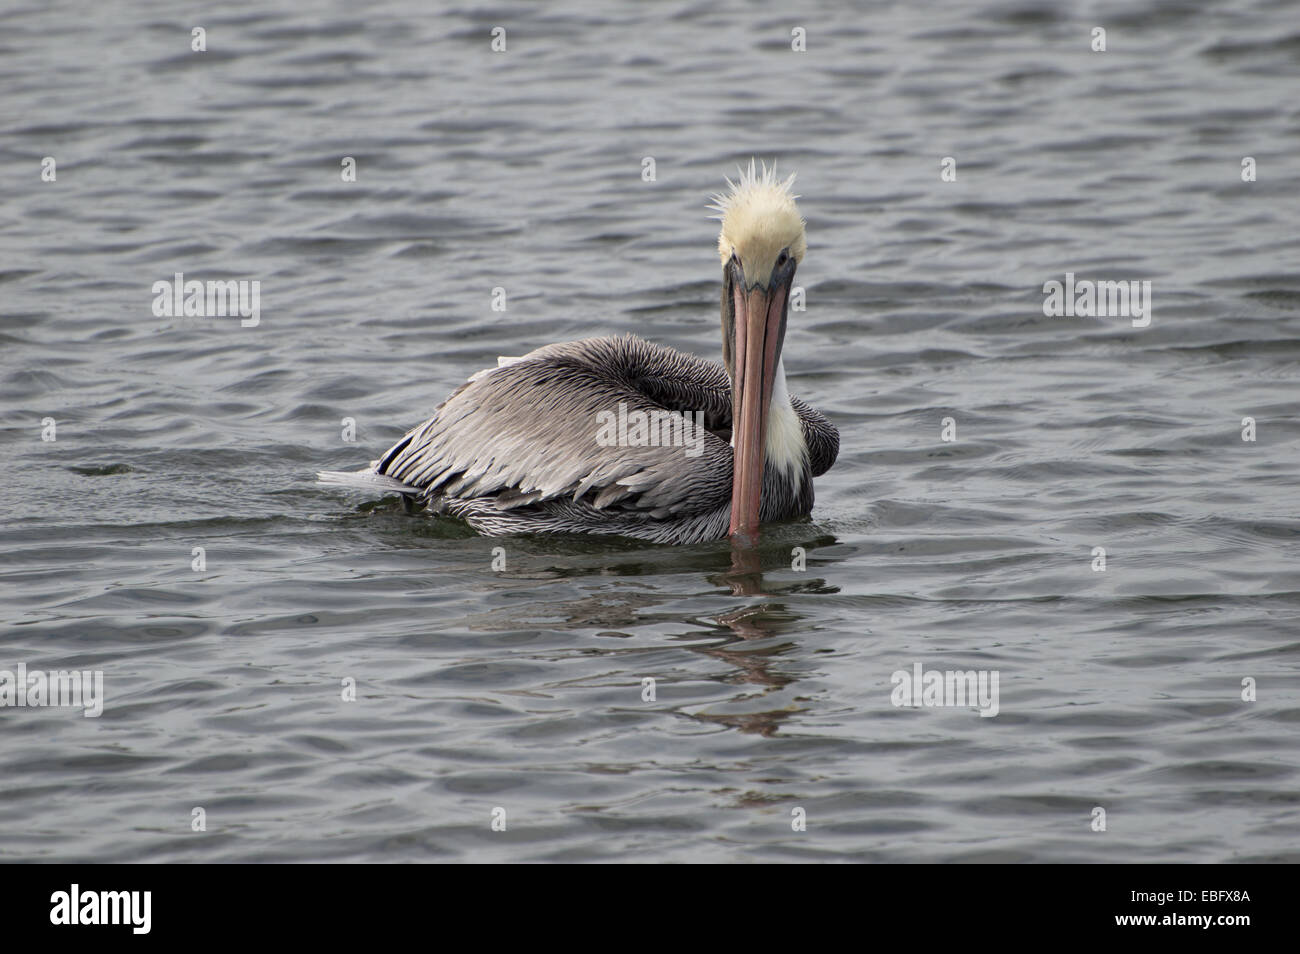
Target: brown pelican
<point x="621" y="436"/>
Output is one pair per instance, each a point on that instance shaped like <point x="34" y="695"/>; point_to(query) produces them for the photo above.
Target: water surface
<point x="522" y="688"/>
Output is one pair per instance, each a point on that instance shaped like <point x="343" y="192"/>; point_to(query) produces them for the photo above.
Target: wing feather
<point x="526" y="431"/>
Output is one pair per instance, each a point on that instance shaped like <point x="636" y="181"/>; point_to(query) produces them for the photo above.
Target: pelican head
<point x="761" y="244"/>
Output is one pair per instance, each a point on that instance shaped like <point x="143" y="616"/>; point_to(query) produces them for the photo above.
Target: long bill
<point x="759" y="317"/>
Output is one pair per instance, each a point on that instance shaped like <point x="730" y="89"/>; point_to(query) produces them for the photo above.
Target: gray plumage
<point x="515" y="450"/>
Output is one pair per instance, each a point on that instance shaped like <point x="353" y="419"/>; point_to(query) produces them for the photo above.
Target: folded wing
<point x="537" y="428"/>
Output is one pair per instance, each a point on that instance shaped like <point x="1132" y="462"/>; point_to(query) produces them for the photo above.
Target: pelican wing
<point x="538" y="428"/>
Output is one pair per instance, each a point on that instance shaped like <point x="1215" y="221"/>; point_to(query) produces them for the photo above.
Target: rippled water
<point x="522" y="689"/>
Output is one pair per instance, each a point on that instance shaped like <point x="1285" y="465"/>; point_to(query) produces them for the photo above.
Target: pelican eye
<point x="783" y="257"/>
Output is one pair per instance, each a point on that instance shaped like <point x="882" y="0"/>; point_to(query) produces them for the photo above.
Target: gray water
<point x="521" y="688"/>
